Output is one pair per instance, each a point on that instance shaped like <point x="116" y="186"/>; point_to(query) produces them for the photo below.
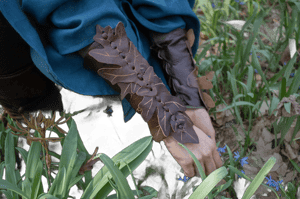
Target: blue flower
<point x="292" y="74"/>
<point x="273" y="183"/>
<point x="242" y="172"/>
<point x="237" y="1"/>
<point x="208" y="136"/>
<point x="242" y="3"/>
<point x="243" y="160"/>
<point x="220" y="149"/>
<point x="185" y="178"/>
<point x="284" y="63"/>
<point x="237" y="155"/>
<point x="213" y="5"/>
<point x="258" y="56"/>
<point x="255" y="71"/>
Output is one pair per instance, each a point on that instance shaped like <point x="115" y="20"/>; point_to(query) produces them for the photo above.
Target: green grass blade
<point x="37" y="180"/>
<point x="296" y="80"/>
<point x="282" y="91"/>
<point x="259" y="178"/>
<point x="209" y="183"/>
<point x="10" y="160"/>
<point x="9" y="186"/>
<point x="33" y="159"/>
<point x="134" y="155"/>
<point x="205" y="188"/>
<point x="240" y="103"/>
<point x="120" y="180"/>
<point x="250" y="78"/>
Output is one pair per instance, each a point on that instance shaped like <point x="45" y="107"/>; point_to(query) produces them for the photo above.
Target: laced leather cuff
<point x="174" y="50"/>
<point x="115" y="58"/>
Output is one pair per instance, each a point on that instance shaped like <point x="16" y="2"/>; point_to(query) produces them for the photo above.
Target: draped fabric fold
<point x="57" y="29"/>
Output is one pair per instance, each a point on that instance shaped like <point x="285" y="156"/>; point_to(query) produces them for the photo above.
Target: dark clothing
<point x="56" y="29"/>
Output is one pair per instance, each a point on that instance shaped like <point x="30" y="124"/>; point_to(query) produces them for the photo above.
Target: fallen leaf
<point x="295" y="107"/>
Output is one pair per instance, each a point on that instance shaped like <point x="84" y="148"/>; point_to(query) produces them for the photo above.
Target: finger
<point x="217" y="159"/>
<point x="191" y="171"/>
<point x="210" y="165"/>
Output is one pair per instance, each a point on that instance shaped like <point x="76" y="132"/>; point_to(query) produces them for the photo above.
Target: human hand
<point x="201" y="119"/>
<point x="205" y="151"/>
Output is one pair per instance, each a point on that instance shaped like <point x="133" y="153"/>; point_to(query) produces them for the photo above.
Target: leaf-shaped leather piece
<point x="210" y="75"/>
<point x="182" y="128"/>
<point x="190" y="36"/>
<point x="208" y="100"/>
<point x="204" y="83"/>
<point x="192" y="78"/>
<point x="117" y="60"/>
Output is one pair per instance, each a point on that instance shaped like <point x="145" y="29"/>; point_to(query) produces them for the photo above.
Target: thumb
<point x="189" y="173"/>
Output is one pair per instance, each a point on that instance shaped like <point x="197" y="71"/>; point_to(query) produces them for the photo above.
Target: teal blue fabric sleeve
<point x="57" y="29"/>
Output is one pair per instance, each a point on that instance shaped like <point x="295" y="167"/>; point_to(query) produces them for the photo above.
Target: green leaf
<point x="209" y="183"/>
<point x="150" y="190"/>
<point x="291" y="189"/>
<point x="222" y="188"/>
<point x="274" y="104"/>
<point x="282" y="91"/>
<point x="251" y="95"/>
<point x="37" y="180"/>
<point x="23" y="153"/>
<point x="256" y="25"/>
<point x="33" y="159"/>
<point x="259" y="178"/>
<point x="9" y="186"/>
<point x="296" y="3"/>
<point x="120" y="180"/>
<point x="26" y="187"/>
<point x="10" y="159"/>
<point x="240" y="103"/>
<point x="47" y="196"/>
<point x="134" y="155"/>
<point x="287" y="106"/>
<point x="296" y="80"/>
<point x="226" y="7"/>
<point x="81" y="156"/>
<point x="250" y="77"/>
<point x="68" y="158"/>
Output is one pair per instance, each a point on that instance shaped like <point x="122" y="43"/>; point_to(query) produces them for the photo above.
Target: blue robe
<point x="57" y="29"/>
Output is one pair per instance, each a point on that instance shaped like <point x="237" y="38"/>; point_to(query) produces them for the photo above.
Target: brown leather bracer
<point x="115" y="58"/>
<point x="174" y="49"/>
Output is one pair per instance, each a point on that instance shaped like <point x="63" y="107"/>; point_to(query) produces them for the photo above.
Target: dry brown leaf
<point x="295" y="107"/>
<point x="264" y="108"/>
<point x="224" y="116"/>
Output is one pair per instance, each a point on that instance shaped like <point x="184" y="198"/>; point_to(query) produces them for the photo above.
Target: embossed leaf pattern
<point x="121" y="63"/>
<point x="182" y="129"/>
